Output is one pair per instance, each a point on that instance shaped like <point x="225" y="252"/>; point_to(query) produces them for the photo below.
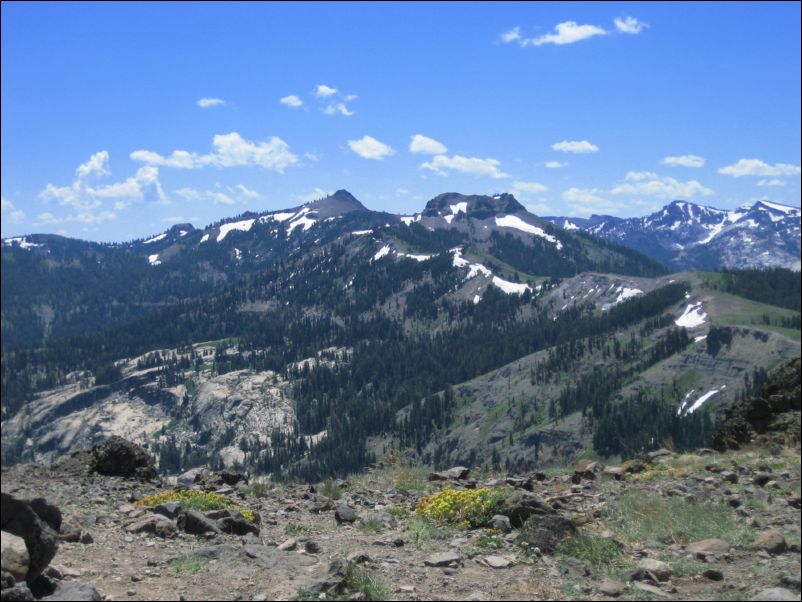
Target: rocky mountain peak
<point x="475" y="206"/>
<point x="336" y="204"/>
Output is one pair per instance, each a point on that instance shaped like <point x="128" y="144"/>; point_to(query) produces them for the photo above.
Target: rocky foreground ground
<point x="704" y="526"/>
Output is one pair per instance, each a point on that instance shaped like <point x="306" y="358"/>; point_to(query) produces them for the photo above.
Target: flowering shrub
<point x="466" y="507"/>
<point x="196" y="500"/>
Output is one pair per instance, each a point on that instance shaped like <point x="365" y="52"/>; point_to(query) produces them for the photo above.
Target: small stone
<point x="615" y="472"/>
<point x="761" y="478"/>
<point x="344" y="514"/>
<point x="660" y="569"/>
<point x="772" y="541"/>
<point x="497" y="562"/>
<point x="86" y="537"/>
<point x="713" y="574"/>
<point x="398" y="542"/>
<point x="20" y="592"/>
<point x="288" y="545"/>
<point x="650" y="589"/>
<point x="612" y="589"/>
<point x="443" y="559"/>
<point x="358" y="557"/>
<point x="706" y="547"/>
<point x="501" y="523"/>
<point x="729" y="477"/>
<point x="311" y="546"/>
<point x="168" y="509"/>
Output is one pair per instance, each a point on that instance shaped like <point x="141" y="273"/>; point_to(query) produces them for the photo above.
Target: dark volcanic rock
<point x="546" y="531"/>
<point x="119" y="457"/>
<point x="521" y="505"/>
<point x="78" y="592"/>
<point x="195" y="523"/>
<point x="40" y="531"/>
<point x="773" y="417"/>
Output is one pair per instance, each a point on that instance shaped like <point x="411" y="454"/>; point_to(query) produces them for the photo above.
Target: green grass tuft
<point x="643" y="516"/>
<point x="188" y="564"/>
<point x="595" y="550"/>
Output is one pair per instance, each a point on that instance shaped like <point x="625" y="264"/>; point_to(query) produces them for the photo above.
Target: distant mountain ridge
<point x="687" y="236"/>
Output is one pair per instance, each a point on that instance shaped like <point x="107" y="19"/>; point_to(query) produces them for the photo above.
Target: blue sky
<point x="119" y="120"/>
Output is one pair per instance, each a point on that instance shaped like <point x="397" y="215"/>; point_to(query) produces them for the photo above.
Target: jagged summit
<point x="476" y="206"/>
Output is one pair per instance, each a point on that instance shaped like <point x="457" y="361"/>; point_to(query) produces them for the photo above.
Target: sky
<point x="119" y="120"/>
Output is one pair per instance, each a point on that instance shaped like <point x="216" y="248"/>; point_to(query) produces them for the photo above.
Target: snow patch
<point x="686" y="409"/>
<point x="22" y="242"/>
<point x="154" y="259"/>
<point x="381" y="252"/>
<point x="415" y="257"/>
<point x="692" y="317"/>
<point x="204" y="238"/>
<point x="513" y="221"/>
<point x="156" y="238"/>
<point x="361" y="232"/>
<point x="301" y="219"/>
<point x="244" y="225"/>
<point x="473" y="268"/>
<point x="476" y="299"/>
<point x="627" y="293"/>
<point x="569" y="226"/>
<point x="511" y="288"/>
<point x="700" y="338"/>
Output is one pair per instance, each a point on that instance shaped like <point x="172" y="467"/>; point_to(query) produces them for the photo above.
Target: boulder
<point x="168" y="509"/>
<point x="772" y="541"/>
<point x="775" y="594"/>
<point x="443" y="559"/>
<point x="546" y="531"/>
<point x="195" y="523"/>
<point x="20" y="592"/>
<point x="501" y="523"/>
<point x="78" y="592"/>
<point x="658" y="568"/>
<point x="237" y="525"/>
<point x="118" y="457"/>
<point x="37" y="523"/>
<point x="386" y="519"/>
<point x="520" y="505"/>
<point x="154" y="524"/>
<point x="452" y="474"/>
<point x="14" y="555"/>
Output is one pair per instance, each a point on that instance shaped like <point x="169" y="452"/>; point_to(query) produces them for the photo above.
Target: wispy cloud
<point x="568" y="32"/>
<point x="230" y="150"/>
<point x="216" y="196"/>
<point x="441" y="164"/>
<point x="684" y="161"/>
<point x="292" y="101"/>
<point x="575" y="146"/>
<point x="647" y="183"/>
<point x="10" y="213"/>
<point x="771" y="182"/>
<point x="316" y="194"/>
<point x="528" y="187"/>
<point x="756" y="167"/>
<point x="555" y="164"/>
<point x="368" y="147"/>
<point x="629" y="25"/>
<point x="337" y="108"/>
<point x="424" y="145"/>
<point x="207" y="103"/>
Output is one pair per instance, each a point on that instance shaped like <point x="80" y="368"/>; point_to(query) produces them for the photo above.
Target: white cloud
<point x="230" y="150"/>
<point x="513" y="35"/>
<point x="575" y="146"/>
<point x="217" y="197"/>
<point x="568" y="32"/>
<point x="583" y="195"/>
<point x="84" y="217"/>
<point x="555" y="164"/>
<point x="647" y="183"/>
<point x="471" y="165"/>
<point x="311" y="156"/>
<point x="339" y="107"/>
<point x="206" y="103"/>
<point x="144" y="186"/>
<point x="351" y="97"/>
<point x="11" y="214"/>
<point x="292" y="101"/>
<point x="771" y="182"/>
<point x="684" y="161"/>
<point x="368" y="147"/>
<point x="247" y="192"/>
<point x="756" y="167"/>
<point x="87" y="201"/>
<point x="525" y="187"/>
<point x="629" y="25"/>
<point x="178" y="219"/>
<point x="322" y="91"/>
<point x="425" y="145"/>
<point x="401" y="191"/>
<point x="317" y="193"/>
<point x="98" y="165"/>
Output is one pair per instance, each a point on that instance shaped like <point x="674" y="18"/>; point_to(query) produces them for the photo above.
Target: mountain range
<point x="315" y="340"/>
<point x="687" y="236"/>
